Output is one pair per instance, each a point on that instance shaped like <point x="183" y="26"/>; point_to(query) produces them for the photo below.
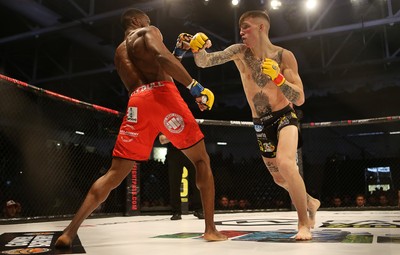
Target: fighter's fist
<point x="204" y="97"/>
<point x="182" y="45"/>
<point x="199" y="41"/>
<point x="271" y="68"/>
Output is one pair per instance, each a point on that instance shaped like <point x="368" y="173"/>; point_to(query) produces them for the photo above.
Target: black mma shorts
<point x="267" y="129"/>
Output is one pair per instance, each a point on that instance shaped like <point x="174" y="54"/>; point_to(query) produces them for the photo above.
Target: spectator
<point x="233" y="204"/>
<point x="243" y="204"/>
<point x="383" y="200"/>
<point x="360" y="200"/>
<point x="223" y="203"/>
<point x="12" y="209"/>
<point x="337" y="202"/>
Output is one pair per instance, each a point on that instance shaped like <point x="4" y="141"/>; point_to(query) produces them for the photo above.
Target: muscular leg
<point x="97" y="194"/>
<point x="205" y="182"/>
<point x="194" y="191"/>
<point x="285" y="161"/>
<point x="313" y="204"/>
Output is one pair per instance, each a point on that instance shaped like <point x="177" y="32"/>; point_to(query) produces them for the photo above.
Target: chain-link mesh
<point x="239" y="172"/>
<point x="344" y="159"/>
<point x="339" y="160"/>
<point x="52" y="150"/>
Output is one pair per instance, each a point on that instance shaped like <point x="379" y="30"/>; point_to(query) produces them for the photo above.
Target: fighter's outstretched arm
<point x="204" y="59"/>
<point x="164" y="57"/>
<point x="172" y="66"/>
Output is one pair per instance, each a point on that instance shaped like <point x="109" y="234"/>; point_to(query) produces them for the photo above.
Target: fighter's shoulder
<point x="238" y="48"/>
<point x="120" y="49"/>
<point x="141" y="31"/>
<point x="288" y="60"/>
<point x="286" y="54"/>
<point x="151" y="30"/>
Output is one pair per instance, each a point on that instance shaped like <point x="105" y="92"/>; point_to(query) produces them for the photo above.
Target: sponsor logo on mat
<point x="286" y="236"/>
<point x="36" y="243"/>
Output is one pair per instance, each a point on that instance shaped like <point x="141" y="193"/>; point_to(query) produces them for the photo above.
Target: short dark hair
<point x="254" y="14"/>
<point x="128" y="15"/>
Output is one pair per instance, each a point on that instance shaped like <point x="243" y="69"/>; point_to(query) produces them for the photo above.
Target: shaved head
<point x="254" y="14"/>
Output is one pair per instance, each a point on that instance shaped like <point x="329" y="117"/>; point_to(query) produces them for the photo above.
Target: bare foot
<point x="312" y="207"/>
<point x="63" y="242"/>
<point x="303" y="234"/>
<point x="214" y="236"/>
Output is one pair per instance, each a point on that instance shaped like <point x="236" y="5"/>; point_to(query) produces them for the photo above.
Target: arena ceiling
<point x="67" y="46"/>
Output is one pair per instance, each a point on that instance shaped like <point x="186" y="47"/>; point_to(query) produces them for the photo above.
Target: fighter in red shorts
<point x="147" y="70"/>
<point x="146" y="118"/>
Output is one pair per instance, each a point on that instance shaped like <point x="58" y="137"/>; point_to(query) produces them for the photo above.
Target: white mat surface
<point x="138" y="234"/>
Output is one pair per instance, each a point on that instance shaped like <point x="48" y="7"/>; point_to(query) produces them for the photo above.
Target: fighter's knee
<point x="279" y="180"/>
<point x="287" y="169"/>
<point x="111" y="180"/>
<point x="203" y="171"/>
<point x="284" y="163"/>
<point x="201" y="165"/>
<point x="281" y="164"/>
<point x="201" y="162"/>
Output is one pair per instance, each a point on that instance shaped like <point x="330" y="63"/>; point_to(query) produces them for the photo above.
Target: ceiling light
<point x="311" y="4"/>
<point x="275" y="4"/>
<point x="235" y="2"/>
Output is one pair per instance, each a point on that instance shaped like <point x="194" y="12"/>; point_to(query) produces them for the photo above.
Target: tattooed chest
<point x="256" y="87"/>
<point x="259" y="99"/>
<point x="254" y="69"/>
<point x="261" y="104"/>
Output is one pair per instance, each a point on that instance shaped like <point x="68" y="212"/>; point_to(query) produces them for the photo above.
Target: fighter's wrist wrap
<point x="179" y="53"/>
<point x="279" y="80"/>
<point x="195" y="88"/>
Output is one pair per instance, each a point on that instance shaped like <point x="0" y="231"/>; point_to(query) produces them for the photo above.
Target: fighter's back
<point x="136" y="61"/>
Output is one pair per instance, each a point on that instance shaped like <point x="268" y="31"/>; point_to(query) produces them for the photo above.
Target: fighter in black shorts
<point x="271" y="82"/>
<point x="268" y="127"/>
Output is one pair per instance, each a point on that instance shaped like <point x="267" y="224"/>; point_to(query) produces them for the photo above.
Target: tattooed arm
<point x="293" y="86"/>
<point x="204" y="59"/>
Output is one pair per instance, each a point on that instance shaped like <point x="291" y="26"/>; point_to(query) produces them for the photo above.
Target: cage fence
<point x="344" y="159"/>
<point x="52" y="148"/>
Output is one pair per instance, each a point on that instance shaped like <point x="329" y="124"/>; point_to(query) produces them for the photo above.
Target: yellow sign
<point x="184" y="185"/>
